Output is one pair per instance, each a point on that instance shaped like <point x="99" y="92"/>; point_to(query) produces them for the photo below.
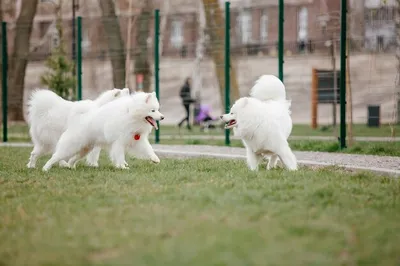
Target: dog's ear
<point x="154" y="94"/>
<point x="116" y="94"/>
<point x="148" y="97"/>
<point x="244" y="102"/>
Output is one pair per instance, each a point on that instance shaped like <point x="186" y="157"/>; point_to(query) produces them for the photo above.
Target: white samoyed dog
<point x="263" y="123"/>
<point x="49" y="116"/>
<point x="112" y="126"/>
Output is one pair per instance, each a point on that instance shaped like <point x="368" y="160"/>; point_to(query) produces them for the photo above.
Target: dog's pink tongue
<point x="155" y="124"/>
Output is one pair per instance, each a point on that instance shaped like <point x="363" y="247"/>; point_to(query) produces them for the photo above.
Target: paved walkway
<point x="378" y="164"/>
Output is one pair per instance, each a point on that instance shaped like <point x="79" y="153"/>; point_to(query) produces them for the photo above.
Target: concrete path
<point x="379" y="164"/>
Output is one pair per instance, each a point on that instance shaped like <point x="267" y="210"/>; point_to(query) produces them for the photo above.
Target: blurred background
<point x="117" y="50"/>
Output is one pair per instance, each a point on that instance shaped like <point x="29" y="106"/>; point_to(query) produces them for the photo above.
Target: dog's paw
<point x="91" y="164"/>
<point x="271" y="166"/>
<point x="155" y="159"/>
<point x="253" y="168"/>
<point x="31" y="165"/>
<point x="64" y="164"/>
<point x="121" y="166"/>
<point x="46" y="168"/>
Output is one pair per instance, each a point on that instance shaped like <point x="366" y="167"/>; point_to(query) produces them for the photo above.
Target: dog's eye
<point x="231" y="113"/>
<point x="153" y="110"/>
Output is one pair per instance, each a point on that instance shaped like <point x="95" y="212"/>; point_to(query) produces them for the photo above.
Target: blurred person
<point x="203" y="117"/>
<point x="187" y="100"/>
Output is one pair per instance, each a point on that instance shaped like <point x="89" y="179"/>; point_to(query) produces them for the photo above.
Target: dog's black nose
<point x="221" y="116"/>
<point x="162" y="118"/>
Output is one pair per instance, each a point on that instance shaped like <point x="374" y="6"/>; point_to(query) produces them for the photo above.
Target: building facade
<point x="254" y="26"/>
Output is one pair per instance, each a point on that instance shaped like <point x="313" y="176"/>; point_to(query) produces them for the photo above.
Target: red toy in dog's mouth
<point x="230" y="124"/>
<point x="151" y="121"/>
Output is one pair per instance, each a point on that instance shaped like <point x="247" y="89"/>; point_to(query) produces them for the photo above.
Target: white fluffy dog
<point x="49" y="115"/>
<point x="113" y="126"/>
<point x="263" y="123"/>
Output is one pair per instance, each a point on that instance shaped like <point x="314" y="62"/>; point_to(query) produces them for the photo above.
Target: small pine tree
<point x="60" y="77"/>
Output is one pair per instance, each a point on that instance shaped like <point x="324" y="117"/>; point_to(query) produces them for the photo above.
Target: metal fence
<point x="194" y="44"/>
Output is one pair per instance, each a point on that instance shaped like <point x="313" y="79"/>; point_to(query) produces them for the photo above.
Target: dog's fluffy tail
<point x="40" y="102"/>
<point x="268" y="87"/>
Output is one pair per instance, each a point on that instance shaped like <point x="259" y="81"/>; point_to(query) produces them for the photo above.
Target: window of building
<point x="379" y="16"/>
<point x="245" y="26"/>
<point x="177" y="33"/>
<point x="302" y="33"/>
<point x="264" y="27"/>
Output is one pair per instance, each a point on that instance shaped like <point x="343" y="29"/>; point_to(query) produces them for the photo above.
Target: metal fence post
<point x="343" y="37"/>
<point x="281" y="39"/>
<point x="227" y="67"/>
<point x="79" y="58"/>
<point x="4" y="82"/>
<point x="157" y="64"/>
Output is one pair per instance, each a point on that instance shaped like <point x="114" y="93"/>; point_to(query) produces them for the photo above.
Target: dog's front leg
<point x="65" y="149"/>
<point x="117" y="155"/>
<point x="252" y="159"/>
<point x="35" y="154"/>
<point x="147" y="150"/>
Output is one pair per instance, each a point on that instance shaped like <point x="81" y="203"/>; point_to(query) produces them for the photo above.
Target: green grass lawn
<point x="300" y="130"/>
<point x="358" y="131"/>
<point x="195" y="212"/>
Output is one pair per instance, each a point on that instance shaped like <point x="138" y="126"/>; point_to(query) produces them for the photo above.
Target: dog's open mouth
<point x="151" y="121"/>
<point x="230" y="123"/>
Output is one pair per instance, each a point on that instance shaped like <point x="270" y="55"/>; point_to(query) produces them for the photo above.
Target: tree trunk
<point x="216" y="30"/>
<point x="142" y="66"/>
<point x="19" y="59"/>
<point x="116" y="48"/>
